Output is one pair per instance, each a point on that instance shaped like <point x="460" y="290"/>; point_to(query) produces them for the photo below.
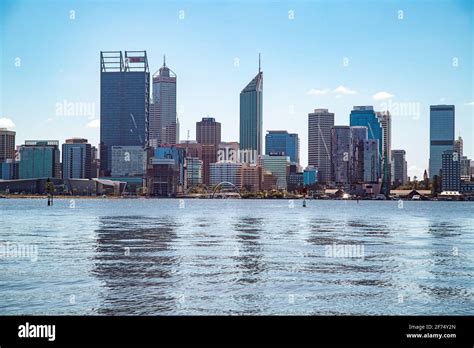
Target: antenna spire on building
<point x="164" y="60"/>
<point x="259" y="63"/>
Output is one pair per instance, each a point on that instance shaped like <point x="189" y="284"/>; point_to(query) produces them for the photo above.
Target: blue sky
<point x="315" y="54"/>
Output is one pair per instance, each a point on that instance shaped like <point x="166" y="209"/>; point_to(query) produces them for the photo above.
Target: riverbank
<point x="203" y="197"/>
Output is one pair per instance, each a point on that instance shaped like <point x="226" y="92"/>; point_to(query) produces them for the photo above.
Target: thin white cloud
<point x="415" y="171"/>
<point x="471" y="103"/>
<point x="344" y="90"/>
<point x="382" y="95"/>
<point x="314" y="91"/>
<point x="6" y="123"/>
<point x="93" y="124"/>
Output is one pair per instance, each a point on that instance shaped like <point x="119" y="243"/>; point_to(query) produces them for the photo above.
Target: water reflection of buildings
<point x="250" y="263"/>
<point x="135" y="260"/>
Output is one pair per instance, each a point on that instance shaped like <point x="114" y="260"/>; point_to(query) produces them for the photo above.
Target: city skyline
<point x="296" y="82"/>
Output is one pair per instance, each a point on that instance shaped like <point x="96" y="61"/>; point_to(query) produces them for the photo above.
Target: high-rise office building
<point x="399" y="167"/>
<point x="9" y="169"/>
<point x="450" y="171"/>
<point x="208" y="131"/>
<point x="7" y="144"/>
<point x="251" y="116"/>
<point x="441" y="135"/>
<point x="39" y="159"/>
<point x="358" y="137"/>
<point x="128" y="161"/>
<point x="279" y="166"/>
<point x="77" y="159"/>
<point x="310" y="176"/>
<point x="465" y="164"/>
<point x="371" y="161"/>
<point x="458" y="146"/>
<point x="166" y="173"/>
<point x="193" y="171"/>
<point x="366" y="117"/>
<point x="124" y="102"/>
<point x="283" y="142"/>
<point x="208" y="134"/>
<point x="341" y="156"/>
<point x="252" y="176"/>
<point x="225" y="172"/>
<point x="164" y="126"/>
<point x="385" y="120"/>
<point x="319" y="142"/>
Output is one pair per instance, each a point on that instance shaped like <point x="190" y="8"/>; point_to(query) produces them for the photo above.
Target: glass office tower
<point x="341" y="156"/>
<point x="251" y="120"/>
<point x="124" y="102"/>
<point x="319" y="142"/>
<point x="77" y="159"/>
<point x="366" y="117"/>
<point x="441" y="135"/>
<point x="283" y="142"/>
<point x="39" y="159"/>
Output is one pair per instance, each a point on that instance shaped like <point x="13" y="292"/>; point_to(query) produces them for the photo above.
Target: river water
<point x="257" y="257"/>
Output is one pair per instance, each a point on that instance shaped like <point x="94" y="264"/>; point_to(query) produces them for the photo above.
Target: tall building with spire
<point x="163" y="128"/>
<point x="251" y="116"/>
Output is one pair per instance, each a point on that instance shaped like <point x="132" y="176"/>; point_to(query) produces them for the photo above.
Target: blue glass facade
<point x="39" y="159"/>
<point x="9" y="170"/>
<point x="124" y="107"/>
<point x="77" y="162"/>
<point x="366" y="117"/>
<point x="310" y="176"/>
<point x="251" y="121"/>
<point x="283" y="142"/>
<point x="441" y="135"/>
<point x="176" y="154"/>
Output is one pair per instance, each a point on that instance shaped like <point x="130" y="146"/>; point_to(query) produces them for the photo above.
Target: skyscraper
<point x="39" y="159"/>
<point x="319" y="142"/>
<point x="458" y="146"/>
<point x="358" y="137"/>
<point x="124" y="102"/>
<point x="366" y="117"/>
<point x="193" y="171"/>
<point x="208" y="134"/>
<point x="208" y="131"/>
<point x="399" y="167"/>
<point x="451" y="171"/>
<point x="77" y="159"/>
<point x="465" y="164"/>
<point x="225" y="172"/>
<point x="164" y="127"/>
<point x="341" y="154"/>
<point x="283" y="142"/>
<point x="385" y="120"/>
<point x="7" y="144"/>
<point x="279" y="166"/>
<point x="371" y="161"/>
<point x="441" y="135"/>
<point x="251" y="116"/>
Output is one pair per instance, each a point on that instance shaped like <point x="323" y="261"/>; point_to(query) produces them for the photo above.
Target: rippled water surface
<point x="204" y="257"/>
